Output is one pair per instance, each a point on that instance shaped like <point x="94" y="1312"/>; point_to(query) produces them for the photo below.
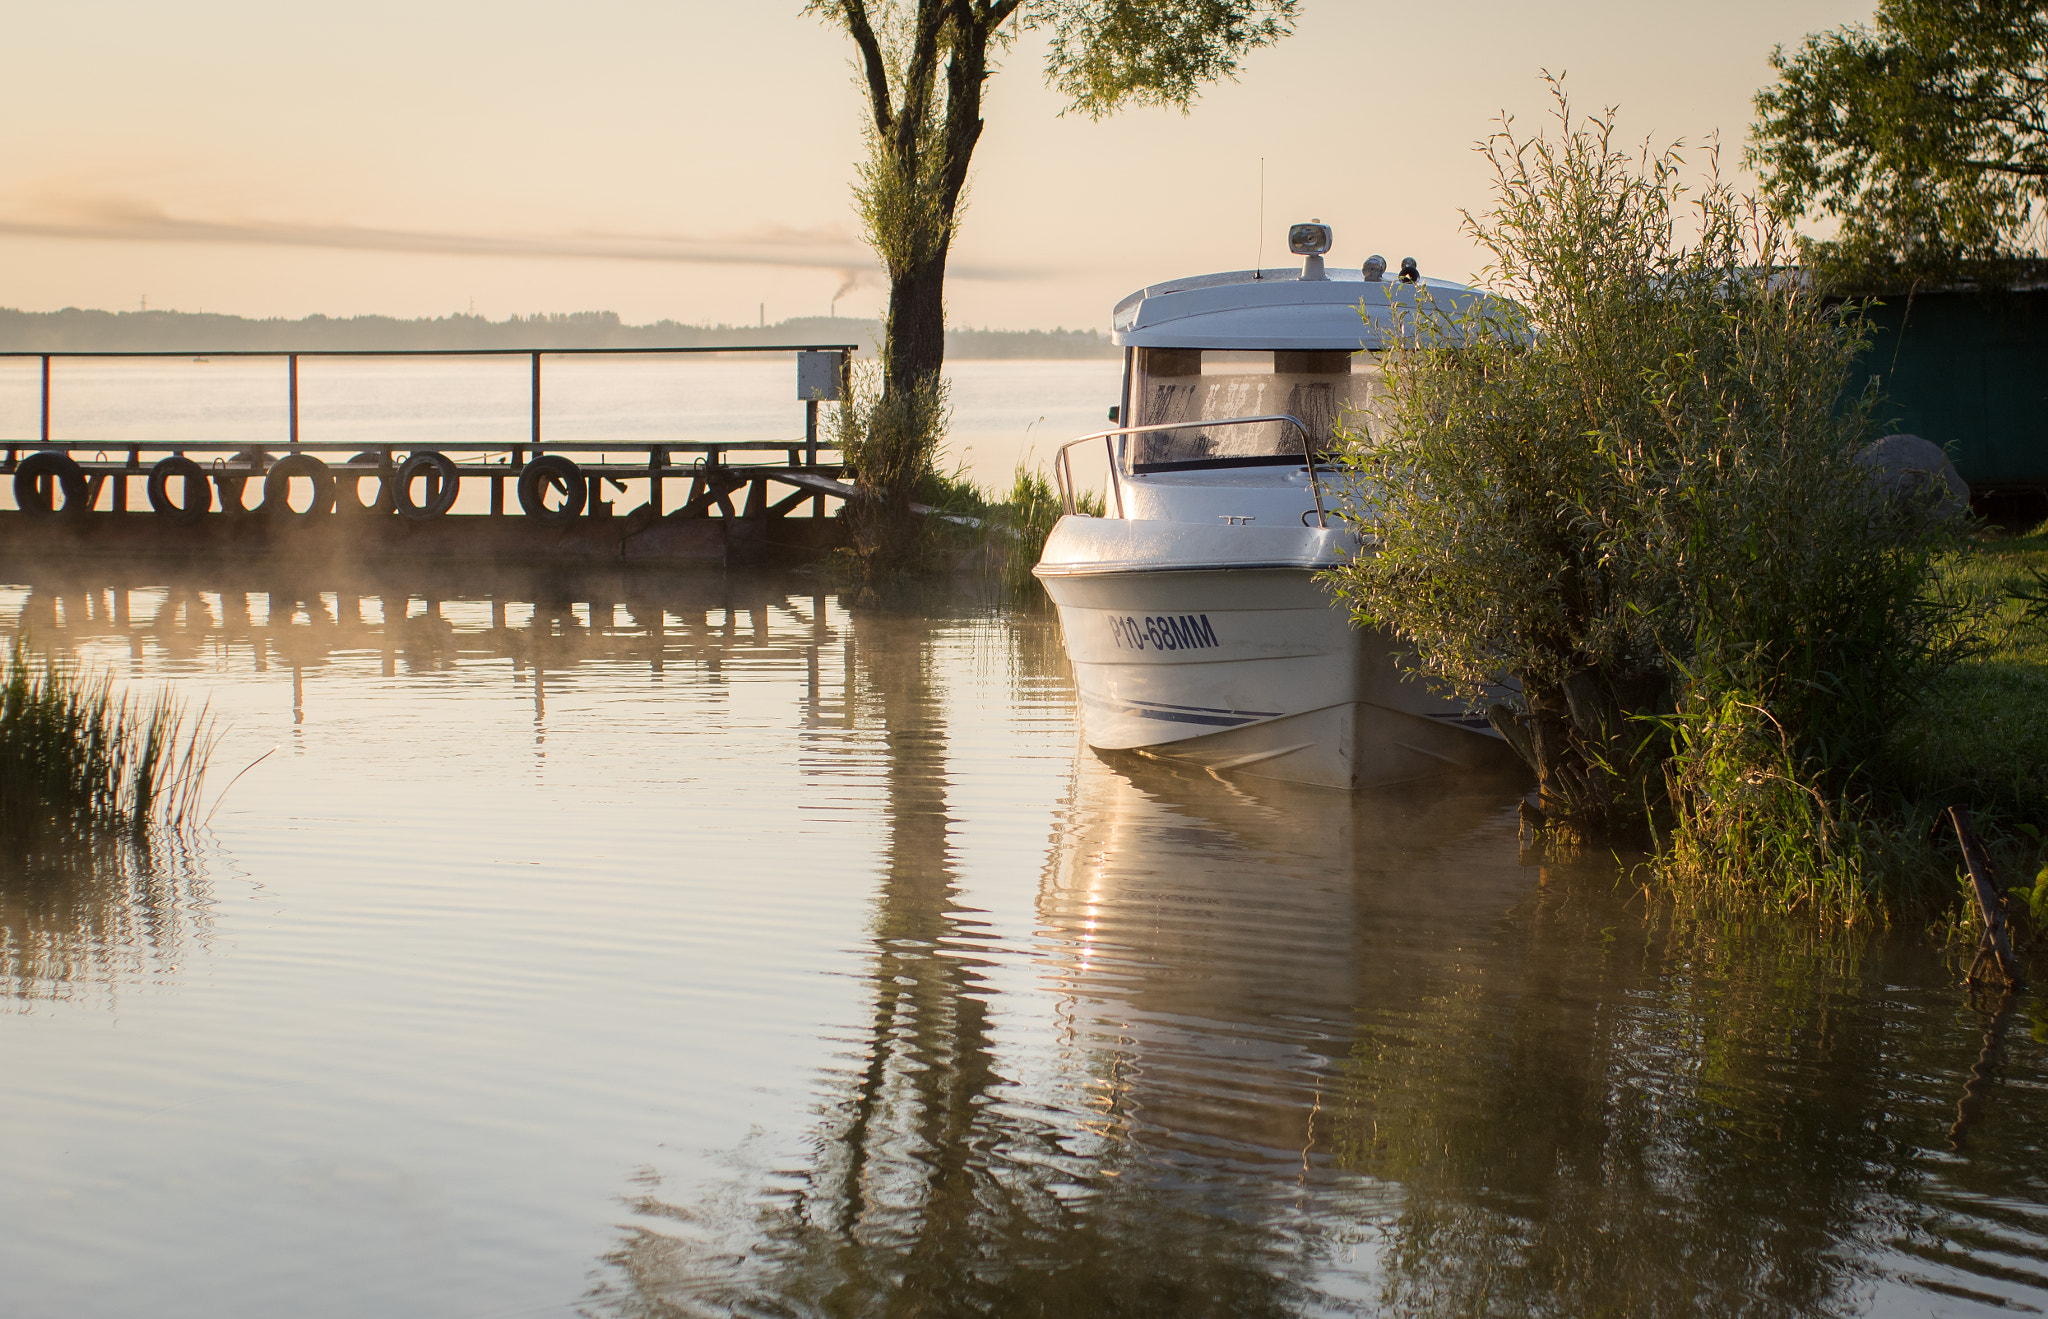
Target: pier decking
<point x="550" y="501"/>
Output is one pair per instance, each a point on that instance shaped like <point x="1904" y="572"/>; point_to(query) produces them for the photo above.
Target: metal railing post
<point x="292" y="371"/>
<point x="46" y="398"/>
<point x="536" y="405"/>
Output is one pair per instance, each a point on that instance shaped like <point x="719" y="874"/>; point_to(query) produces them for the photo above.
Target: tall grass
<point x="77" y="757"/>
<point x="1005" y="531"/>
<point x="1751" y="820"/>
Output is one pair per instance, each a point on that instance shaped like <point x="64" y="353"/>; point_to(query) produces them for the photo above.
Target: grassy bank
<point x="1980" y="737"/>
<point x="1763" y="827"/>
<point x="996" y="535"/>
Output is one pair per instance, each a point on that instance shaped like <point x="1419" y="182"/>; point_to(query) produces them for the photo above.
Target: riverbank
<point x="1980" y="738"/>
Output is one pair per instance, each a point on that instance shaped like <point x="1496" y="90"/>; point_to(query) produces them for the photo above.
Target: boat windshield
<point x="1193" y="385"/>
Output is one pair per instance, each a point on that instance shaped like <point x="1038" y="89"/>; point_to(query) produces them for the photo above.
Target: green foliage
<point x="1106" y="54"/>
<point x="889" y="438"/>
<point x="1975" y="737"/>
<point x="995" y="535"/>
<point x="923" y="65"/>
<point x="74" y="759"/>
<point x="943" y="521"/>
<point x="2032" y="598"/>
<point x="1751" y="822"/>
<point x="1631" y="490"/>
<point x="1925" y="135"/>
<point x="1015" y="525"/>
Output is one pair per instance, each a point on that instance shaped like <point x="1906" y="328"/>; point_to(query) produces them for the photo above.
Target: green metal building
<point x="1969" y="371"/>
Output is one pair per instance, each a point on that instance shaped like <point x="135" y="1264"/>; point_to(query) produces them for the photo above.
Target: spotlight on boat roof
<point x="1311" y="239"/>
<point x="1410" y="274"/>
<point x="1375" y="266"/>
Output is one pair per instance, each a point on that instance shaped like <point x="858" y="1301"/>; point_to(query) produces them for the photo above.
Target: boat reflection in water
<point x="1133" y="1118"/>
<point x="1277" y="1050"/>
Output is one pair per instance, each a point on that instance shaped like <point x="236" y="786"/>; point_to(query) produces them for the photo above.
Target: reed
<point x="1004" y="531"/>
<point x="77" y="757"/>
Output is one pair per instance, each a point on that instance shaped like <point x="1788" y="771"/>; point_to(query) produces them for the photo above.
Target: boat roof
<point x="1273" y="308"/>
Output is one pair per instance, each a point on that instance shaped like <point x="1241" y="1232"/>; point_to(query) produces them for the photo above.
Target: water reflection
<point x="1123" y="1039"/>
<point x="942" y="1180"/>
<point x="423" y="623"/>
<point x="119" y="910"/>
<point x="84" y="917"/>
<point x="1285" y="1051"/>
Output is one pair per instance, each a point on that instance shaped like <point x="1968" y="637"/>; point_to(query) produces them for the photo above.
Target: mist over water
<point x="699" y="944"/>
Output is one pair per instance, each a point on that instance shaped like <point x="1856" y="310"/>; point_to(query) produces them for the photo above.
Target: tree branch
<point x="877" y="69"/>
<point x="917" y="78"/>
<point x="2009" y="167"/>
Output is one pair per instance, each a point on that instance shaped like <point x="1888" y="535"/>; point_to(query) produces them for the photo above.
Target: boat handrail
<point x="1063" y="472"/>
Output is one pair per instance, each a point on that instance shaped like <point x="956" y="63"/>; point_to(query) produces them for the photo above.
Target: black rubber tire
<point x="348" y="486"/>
<point x="61" y="468"/>
<point x="421" y="464"/>
<point x="231" y="487"/>
<point x="198" y="490"/>
<point x="553" y="469"/>
<point x="277" y="488"/>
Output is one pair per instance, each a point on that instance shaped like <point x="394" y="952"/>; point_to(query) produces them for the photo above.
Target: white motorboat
<point x="1192" y="612"/>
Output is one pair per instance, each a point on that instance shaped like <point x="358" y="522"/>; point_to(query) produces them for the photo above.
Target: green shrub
<point x="1631" y="488"/>
<point x="890" y="439"/>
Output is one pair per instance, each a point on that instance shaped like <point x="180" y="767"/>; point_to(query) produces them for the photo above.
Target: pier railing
<point x="49" y="477"/>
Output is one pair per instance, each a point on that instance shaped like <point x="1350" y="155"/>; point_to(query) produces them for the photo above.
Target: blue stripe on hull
<point x="1207" y="716"/>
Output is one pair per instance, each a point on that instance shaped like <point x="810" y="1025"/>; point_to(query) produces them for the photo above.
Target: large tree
<point x="1925" y="135"/>
<point x="923" y="65"/>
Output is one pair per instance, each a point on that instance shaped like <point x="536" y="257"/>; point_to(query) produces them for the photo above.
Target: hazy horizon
<point x="523" y="160"/>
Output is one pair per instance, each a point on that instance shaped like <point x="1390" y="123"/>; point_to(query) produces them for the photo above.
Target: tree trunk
<point x="902" y="430"/>
<point x="917" y="324"/>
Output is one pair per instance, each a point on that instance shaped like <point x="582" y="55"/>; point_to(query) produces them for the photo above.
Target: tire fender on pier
<point x="277" y="488"/>
<point x="444" y="480"/>
<point x="552" y="469"/>
<point x="198" y="490"/>
<point x="64" y="473"/>
<point x="348" y="484"/>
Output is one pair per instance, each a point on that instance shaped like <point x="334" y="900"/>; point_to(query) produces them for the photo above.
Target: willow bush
<point x="890" y="439"/>
<point x="1621" y="502"/>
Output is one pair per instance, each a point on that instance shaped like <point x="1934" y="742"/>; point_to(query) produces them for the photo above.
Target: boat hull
<point x="1253" y="670"/>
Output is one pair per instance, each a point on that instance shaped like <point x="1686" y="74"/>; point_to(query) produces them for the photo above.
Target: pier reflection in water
<point x="1094" y="1036"/>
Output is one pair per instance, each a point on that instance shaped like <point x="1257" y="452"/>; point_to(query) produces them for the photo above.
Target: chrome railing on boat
<point x="1063" y="472"/>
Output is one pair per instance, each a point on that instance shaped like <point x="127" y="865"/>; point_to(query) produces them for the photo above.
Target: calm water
<point x="701" y="945"/>
<point x="1003" y="412"/>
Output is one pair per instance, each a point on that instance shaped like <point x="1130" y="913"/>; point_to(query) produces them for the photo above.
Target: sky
<point x="691" y="159"/>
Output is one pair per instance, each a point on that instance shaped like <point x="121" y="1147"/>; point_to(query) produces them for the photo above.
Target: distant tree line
<point x="76" y="330"/>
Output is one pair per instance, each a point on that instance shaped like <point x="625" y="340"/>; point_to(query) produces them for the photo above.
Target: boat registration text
<point x="1162" y="632"/>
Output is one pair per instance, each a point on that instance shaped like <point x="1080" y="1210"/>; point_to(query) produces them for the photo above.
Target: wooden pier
<point x="699" y="501"/>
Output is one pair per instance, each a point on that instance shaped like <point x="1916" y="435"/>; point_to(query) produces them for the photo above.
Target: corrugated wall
<point x="1970" y="372"/>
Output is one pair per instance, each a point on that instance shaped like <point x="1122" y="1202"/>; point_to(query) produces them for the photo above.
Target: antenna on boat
<point x="1259" y="257"/>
